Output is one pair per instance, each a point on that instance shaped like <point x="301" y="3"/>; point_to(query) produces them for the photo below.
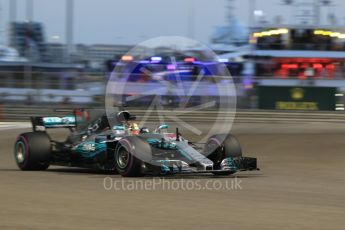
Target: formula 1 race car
<point x="126" y="148"/>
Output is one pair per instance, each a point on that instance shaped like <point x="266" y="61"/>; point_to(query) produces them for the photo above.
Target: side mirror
<point x="119" y="127"/>
<point x="162" y="127"/>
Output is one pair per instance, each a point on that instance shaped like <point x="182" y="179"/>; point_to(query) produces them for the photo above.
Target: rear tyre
<point x="220" y="147"/>
<point x="32" y="151"/>
<point x="126" y="163"/>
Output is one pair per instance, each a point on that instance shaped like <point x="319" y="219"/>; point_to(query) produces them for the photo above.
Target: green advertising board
<point x="297" y="98"/>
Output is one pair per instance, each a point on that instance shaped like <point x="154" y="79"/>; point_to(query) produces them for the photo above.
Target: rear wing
<point x="42" y="123"/>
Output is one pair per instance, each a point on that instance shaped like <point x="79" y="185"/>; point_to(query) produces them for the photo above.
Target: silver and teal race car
<point x="126" y="148"/>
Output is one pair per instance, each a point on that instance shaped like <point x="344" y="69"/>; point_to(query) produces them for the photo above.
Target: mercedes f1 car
<point x="126" y="148"/>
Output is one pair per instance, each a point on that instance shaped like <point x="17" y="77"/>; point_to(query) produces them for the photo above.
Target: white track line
<point x="14" y="125"/>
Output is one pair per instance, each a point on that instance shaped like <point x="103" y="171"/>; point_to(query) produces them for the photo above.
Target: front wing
<point x="230" y="166"/>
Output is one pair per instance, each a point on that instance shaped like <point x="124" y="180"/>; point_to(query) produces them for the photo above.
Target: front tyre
<point x="32" y="151"/>
<point x="126" y="163"/>
<point x="220" y="147"/>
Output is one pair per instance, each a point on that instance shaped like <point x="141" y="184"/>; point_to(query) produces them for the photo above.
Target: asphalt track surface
<point x="301" y="185"/>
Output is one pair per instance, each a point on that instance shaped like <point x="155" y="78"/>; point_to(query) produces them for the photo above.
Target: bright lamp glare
<point x="330" y="34"/>
<point x="189" y="59"/>
<point x="127" y="58"/>
<point x="223" y="60"/>
<point x="271" y="33"/>
<point x="156" y="59"/>
<point x="258" y="13"/>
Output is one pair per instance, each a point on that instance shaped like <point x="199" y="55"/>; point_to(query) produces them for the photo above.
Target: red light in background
<point x="296" y="67"/>
<point x="189" y="59"/>
<point x="330" y="67"/>
<point x="289" y="66"/>
<point x="127" y="58"/>
<point x="317" y="66"/>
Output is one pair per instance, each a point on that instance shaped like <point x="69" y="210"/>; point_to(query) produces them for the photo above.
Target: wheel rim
<point x="20" y="152"/>
<point x="122" y="158"/>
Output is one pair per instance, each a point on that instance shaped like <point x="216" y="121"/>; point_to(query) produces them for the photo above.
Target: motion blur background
<point x="286" y="59"/>
<point x="282" y="54"/>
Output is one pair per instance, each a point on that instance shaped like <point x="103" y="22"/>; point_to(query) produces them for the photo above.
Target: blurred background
<point x="281" y="54"/>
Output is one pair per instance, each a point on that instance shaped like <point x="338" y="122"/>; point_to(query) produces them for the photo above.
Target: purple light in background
<point x="248" y="82"/>
<point x="171" y="67"/>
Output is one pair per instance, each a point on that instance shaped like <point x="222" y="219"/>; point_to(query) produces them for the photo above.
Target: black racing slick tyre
<point x="32" y="151"/>
<point x="220" y="147"/>
<point x="127" y="162"/>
